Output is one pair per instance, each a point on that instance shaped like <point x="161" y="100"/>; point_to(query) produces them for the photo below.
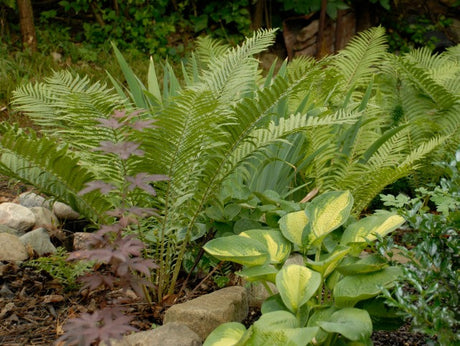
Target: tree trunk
<point x="26" y="22"/>
<point x="321" y="46"/>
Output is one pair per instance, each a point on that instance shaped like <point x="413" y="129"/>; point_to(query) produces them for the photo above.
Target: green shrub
<point x="428" y="292"/>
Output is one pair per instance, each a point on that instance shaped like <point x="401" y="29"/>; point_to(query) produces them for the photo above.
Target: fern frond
<point x="40" y="162"/>
<point x="234" y="73"/>
<point x="422" y="81"/>
<point x="355" y="63"/>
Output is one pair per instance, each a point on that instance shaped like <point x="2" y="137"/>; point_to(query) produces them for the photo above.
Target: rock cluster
<point x="25" y="226"/>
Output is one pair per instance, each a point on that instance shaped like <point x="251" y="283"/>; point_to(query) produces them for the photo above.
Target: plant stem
<point x="267" y="287"/>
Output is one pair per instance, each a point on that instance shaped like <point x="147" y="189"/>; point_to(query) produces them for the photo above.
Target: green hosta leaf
<point x="326" y="213"/>
<point x="368" y="264"/>
<point x="242" y="250"/>
<point x="320" y="315"/>
<point x="292" y="226"/>
<point x="264" y="272"/>
<point x="383" y="316"/>
<point x="351" y="289"/>
<point x="354" y="324"/>
<point x="367" y="228"/>
<point x="280" y="328"/>
<point x="327" y="264"/>
<point x="278" y="247"/>
<point x="273" y="303"/>
<point x="297" y="284"/>
<point x="226" y="334"/>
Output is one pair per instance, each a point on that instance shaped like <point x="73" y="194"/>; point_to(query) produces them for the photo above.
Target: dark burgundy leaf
<point x="103" y="187"/>
<point x="111" y="123"/>
<point x="123" y="149"/>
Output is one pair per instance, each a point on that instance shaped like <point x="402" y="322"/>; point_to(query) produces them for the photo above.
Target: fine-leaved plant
<point x="428" y="292"/>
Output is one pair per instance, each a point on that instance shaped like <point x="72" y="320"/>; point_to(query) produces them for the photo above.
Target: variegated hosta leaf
<point x="227" y="334"/>
<point x="292" y="226"/>
<point x="326" y="213"/>
<point x="242" y="250"/>
<point x="327" y="265"/>
<point x="297" y="284"/>
<point x="278" y="247"/>
<point x="258" y="273"/>
<point x="367" y="228"/>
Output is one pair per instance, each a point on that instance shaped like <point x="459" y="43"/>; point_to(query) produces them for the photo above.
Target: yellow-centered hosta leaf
<point x="297" y="284"/>
<point x="277" y="246"/>
<point x="326" y="213"/>
<point x="292" y="226"/>
<point x="242" y="250"/>
<point x="367" y="228"/>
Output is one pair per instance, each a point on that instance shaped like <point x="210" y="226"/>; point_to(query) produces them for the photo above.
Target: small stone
<point x="11" y="248"/>
<point x="5" y="292"/>
<point x="31" y="199"/>
<point x="39" y="241"/>
<point x="16" y="216"/>
<point x="206" y="313"/>
<point x="171" y="334"/>
<point x="64" y="212"/>
<point x="44" y="218"/>
<point x="6" y="229"/>
<point x="80" y="240"/>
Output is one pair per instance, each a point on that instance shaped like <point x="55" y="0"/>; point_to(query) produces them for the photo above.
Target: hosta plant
<point x="331" y="296"/>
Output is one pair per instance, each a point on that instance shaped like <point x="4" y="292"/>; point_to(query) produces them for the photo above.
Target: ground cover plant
<point x="427" y="292"/>
<point x="356" y="121"/>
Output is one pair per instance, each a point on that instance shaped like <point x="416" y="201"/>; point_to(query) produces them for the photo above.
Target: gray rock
<point x="6" y="229"/>
<point x="295" y="258"/>
<point x="31" y="199"/>
<point x="257" y="293"/>
<point x="16" y="216"/>
<point x="64" y="212"/>
<point x="44" y="218"/>
<point x="206" y="313"/>
<point x="39" y="241"/>
<point x="11" y="248"/>
<point x="171" y="334"/>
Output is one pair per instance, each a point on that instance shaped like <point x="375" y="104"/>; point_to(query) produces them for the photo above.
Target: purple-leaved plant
<point x="118" y="256"/>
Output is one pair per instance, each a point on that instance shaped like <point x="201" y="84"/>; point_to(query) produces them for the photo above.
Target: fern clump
<point x="312" y="126"/>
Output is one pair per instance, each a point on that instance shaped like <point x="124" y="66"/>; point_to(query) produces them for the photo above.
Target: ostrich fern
<point x="223" y="119"/>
